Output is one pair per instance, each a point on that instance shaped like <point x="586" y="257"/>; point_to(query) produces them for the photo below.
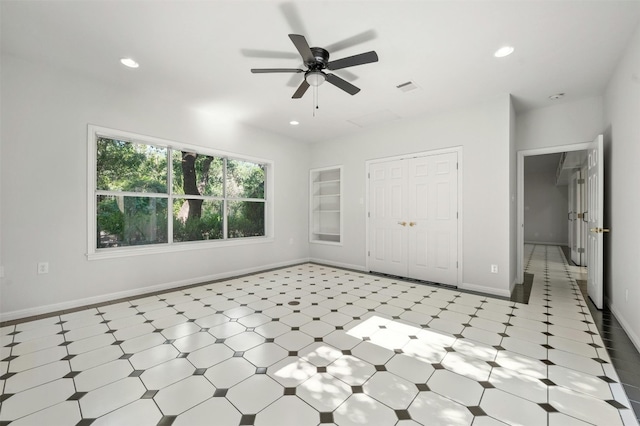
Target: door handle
<point x="600" y="230"/>
<point x="413" y="223"/>
<point x="402" y="223"/>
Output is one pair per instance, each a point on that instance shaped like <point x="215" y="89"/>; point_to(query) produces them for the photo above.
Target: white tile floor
<point x="310" y="345"/>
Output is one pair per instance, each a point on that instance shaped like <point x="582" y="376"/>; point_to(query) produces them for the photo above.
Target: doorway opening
<point x="579" y="170"/>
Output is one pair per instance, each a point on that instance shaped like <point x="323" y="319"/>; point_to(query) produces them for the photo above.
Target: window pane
<point x="195" y="220"/>
<point x="245" y="179"/>
<point x="125" y="166"/>
<point x="245" y="219"/>
<point x="197" y="174"/>
<point x="131" y="221"/>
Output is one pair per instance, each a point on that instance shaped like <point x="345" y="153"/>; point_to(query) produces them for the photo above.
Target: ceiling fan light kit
<point x="316" y="60"/>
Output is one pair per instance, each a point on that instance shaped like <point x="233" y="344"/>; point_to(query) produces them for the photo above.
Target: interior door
<point x="432" y="215"/>
<point x="595" y="188"/>
<point x="388" y="225"/>
<point x="575" y="217"/>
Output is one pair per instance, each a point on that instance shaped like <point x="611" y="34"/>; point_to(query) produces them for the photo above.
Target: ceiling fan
<point x="316" y="59"/>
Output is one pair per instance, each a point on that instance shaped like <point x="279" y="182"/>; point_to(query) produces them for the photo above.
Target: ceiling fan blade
<point x="272" y="54"/>
<point x="352" y="41"/>
<point x="342" y="84"/>
<point x="303" y="47"/>
<point x="272" y="70"/>
<point x="301" y="90"/>
<point x="351" y="61"/>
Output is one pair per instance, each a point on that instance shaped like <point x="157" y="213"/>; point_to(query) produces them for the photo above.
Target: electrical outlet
<point x="43" y="268"/>
<point x="494" y="269"/>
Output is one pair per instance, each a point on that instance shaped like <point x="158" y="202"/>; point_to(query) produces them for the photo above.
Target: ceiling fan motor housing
<point x="322" y="59"/>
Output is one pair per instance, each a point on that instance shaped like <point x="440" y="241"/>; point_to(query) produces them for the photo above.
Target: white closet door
<point x="432" y="216"/>
<point x="387" y="209"/>
<point x="595" y="184"/>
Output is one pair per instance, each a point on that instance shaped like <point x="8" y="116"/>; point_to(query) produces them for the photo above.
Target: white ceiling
<point x="199" y="53"/>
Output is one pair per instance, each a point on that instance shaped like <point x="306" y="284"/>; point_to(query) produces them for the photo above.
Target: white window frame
<point x="94" y="253"/>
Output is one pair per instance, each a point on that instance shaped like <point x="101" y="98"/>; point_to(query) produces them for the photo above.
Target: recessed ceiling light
<point x="556" y="96"/>
<point x="294" y="122"/>
<point x="504" y="51"/>
<point x="128" y="62"/>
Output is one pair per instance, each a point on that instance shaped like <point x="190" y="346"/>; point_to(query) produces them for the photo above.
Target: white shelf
<point x="325" y="205"/>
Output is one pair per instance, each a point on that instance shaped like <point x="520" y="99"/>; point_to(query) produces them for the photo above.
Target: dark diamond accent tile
<point x="5" y="396"/>
<point x="546" y="333"/>
<point x="149" y="394"/>
<point x="600" y="360"/>
<point x="117" y="343"/>
<point x="293" y="353"/>
<point x="169" y="342"/>
<point x="381" y="368"/>
<point x="136" y="373"/>
<point x="398" y="351"/>
<point x="422" y="387"/>
<point x="477" y="411"/>
<point x="85" y="422"/>
<point x="199" y="371"/>
<point x="110" y="331"/>
<point x="339" y="327"/>
<point x="403" y="414"/>
<point x="413" y="337"/>
<point x="321" y="369"/>
<point x="548" y="382"/>
<point x="167" y="420"/>
<point x="269" y="340"/>
<point x="7" y="376"/>
<point x="289" y="391"/>
<point x="607" y="379"/>
<point x="547" y="346"/>
<point x="357" y="389"/>
<point x="126" y="356"/>
<point x="438" y="366"/>
<point x="65" y="343"/>
<point x="458" y="336"/>
<point x="595" y="345"/>
<point x="346" y="352"/>
<point x="499" y="348"/>
<point x="251" y="328"/>
<point x="247" y="419"/>
<point x="616" y="404"/>
<point x="486" y="385"/>
<point x="66" y="358"/>
<point x="326" y="417"/>
<point x="261" y="370"/>
<point x="76" y="396"/>
<point x="317" y="339"/>
<point x="295" y="328"/>
<point x="238" y="354"/>
<point x="219" y="341"/>
<point x="493" y="364"/>
<point x="220" y="393"/>
<point x="547" y="362"/>
<point x="183" y="355"/>
<point x="449" y="349"/>
<point x="66" y="331"/>
<point x="69" y="375"/>
<point x="548" y="407"/>
<point x="157" y="330"/>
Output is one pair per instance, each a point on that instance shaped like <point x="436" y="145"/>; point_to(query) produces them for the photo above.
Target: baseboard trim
<point x="79" y="304"/>
<point x="487" y="290"/>
<point x="338" y="264"/>
<point x="625" y="325"/>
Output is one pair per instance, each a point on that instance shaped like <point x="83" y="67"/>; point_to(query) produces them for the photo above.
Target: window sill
<point x="113" y="253"/>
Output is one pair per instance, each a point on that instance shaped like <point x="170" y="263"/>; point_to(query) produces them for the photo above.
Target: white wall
<point x="484" y="133"/>
<point x="545" y="208"/>
<point x="45" y="113"/>
<point x="560" y="124"/>
<point x="622" y="200"/>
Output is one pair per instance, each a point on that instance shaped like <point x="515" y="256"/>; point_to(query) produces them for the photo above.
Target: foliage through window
<point x="147" y="194"/>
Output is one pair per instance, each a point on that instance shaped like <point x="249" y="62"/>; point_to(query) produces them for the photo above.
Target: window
<point x="149" y="193"/>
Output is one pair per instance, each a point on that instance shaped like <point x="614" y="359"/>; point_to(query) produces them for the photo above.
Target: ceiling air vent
<point x="407" y="87"/>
